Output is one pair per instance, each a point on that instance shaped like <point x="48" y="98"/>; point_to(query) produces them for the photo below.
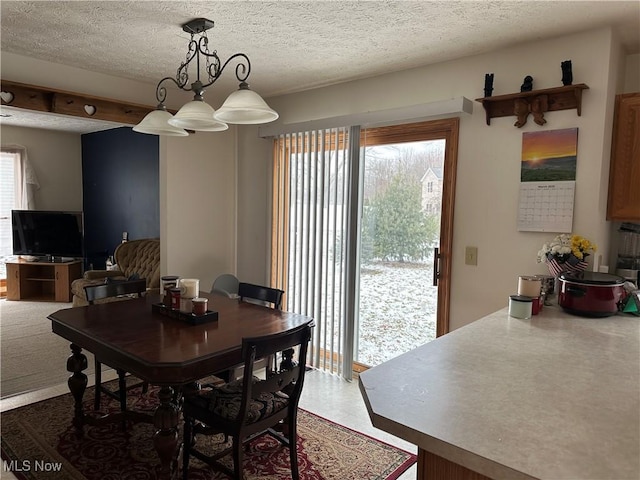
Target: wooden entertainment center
<point x="42" y="281"/>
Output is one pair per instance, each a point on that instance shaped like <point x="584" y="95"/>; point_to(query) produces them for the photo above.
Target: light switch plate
<point x="471" y="256"/>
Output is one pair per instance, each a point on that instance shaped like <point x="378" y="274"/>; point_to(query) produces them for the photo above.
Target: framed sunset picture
<point x="549" y="156"/>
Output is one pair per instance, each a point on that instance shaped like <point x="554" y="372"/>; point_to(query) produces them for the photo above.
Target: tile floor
<point x="325" y="395"/>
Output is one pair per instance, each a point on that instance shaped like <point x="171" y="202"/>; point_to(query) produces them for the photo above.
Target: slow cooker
<point x="591" y="294"/>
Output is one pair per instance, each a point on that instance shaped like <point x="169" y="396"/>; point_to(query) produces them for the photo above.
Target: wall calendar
<point x="547" y="180"/>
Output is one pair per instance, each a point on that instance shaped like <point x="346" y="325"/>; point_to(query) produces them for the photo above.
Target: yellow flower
<point x="580" y="246"/>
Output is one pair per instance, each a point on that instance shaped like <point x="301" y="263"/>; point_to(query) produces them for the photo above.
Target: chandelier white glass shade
<point x="244" y="106"/>
<point x="197" y="115"/>
<point x="157" y="123"/>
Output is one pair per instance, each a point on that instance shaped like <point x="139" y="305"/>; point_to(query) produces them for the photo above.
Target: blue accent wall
<point x="120" y="190"/>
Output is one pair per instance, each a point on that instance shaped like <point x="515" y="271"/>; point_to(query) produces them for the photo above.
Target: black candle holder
<point x="488" y="84"/>
<point x="567" y="73"/>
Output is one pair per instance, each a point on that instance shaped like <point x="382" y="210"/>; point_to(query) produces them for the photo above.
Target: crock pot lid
<point x="592" y="278"/>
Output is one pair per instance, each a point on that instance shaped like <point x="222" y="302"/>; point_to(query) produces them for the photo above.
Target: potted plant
<point x="566" y="253"/>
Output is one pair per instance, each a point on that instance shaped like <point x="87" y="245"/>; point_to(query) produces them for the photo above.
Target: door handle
<point x="436" y="266"/>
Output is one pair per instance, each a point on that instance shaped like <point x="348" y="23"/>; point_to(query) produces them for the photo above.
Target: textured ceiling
<point x="293" y="46"/>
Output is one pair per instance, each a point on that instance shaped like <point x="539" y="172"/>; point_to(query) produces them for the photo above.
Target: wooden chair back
<point x="261" y="293"/>
<point x="115" y="289"/>
<point x="287" y="378"/>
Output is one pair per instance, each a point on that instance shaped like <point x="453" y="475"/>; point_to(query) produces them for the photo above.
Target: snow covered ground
<point x="397" y="310"/>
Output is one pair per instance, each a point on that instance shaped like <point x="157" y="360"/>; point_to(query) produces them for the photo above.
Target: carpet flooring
<point x="38" y="442"/>
<point x="31" y="355"/>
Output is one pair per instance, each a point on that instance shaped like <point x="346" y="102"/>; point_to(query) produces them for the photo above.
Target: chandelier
<point x="244" y="106"/>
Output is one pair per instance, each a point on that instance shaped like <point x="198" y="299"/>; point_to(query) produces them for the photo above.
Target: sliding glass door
<point x="401" y="200"/>
<point x="356" y="217"/>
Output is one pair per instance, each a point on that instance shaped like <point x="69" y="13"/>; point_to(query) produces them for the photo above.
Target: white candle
<point x="529" y="286"/>
<point x="189" y="287"/>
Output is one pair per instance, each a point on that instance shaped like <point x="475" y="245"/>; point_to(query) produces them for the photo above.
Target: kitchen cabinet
<point x="624" y="172"/>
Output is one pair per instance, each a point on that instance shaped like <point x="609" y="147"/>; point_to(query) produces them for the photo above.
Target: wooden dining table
<point x="172" y="353"/>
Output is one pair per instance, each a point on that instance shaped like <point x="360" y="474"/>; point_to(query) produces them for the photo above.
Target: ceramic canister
<point x="520" y="306"/>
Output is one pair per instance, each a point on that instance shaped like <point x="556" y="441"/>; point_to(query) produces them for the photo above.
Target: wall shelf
<point x="536" y="102"/>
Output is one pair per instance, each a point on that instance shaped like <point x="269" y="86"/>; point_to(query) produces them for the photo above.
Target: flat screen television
<point x="47" y="233"/>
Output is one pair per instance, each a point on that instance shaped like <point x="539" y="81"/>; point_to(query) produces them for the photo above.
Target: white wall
<point x="489" y="156"/>
<point x="254" y="173"/>
<point x="197" y="205"/>
<point x="56" y="158"/>
<point x="632" y="74"/>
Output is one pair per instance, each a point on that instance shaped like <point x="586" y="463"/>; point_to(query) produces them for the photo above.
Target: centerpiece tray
<point x="191" y="318"/>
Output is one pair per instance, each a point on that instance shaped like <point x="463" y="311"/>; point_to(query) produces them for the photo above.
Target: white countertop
<point x="553" y="397"/>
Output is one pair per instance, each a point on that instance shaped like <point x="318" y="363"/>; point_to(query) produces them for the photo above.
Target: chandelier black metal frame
<point x="243" y="106"/>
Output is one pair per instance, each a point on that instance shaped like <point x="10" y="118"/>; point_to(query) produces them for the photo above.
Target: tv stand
<point x="42" y="281"/>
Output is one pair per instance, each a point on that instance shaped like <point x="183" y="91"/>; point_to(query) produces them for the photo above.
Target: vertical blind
<point x="311" y="189"/>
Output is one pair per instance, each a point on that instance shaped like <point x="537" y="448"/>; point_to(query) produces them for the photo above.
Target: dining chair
<point x="265" y="296"/>
<point x="118" y="290"/>
<point x="250" y="407"/>
<point x="226" y="284"/>
<point x="259" y="294"/>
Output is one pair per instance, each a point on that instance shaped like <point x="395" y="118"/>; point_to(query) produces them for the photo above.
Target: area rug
<point x="39" y="442"/>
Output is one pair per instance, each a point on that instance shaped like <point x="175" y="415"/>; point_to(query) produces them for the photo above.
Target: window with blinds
<point x="7" y="199"/>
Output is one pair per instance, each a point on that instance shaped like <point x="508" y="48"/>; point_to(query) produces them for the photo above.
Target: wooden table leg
<point x="77" y="382"/>
<point x="165" y="440"/>
<point x="189" y="390"/>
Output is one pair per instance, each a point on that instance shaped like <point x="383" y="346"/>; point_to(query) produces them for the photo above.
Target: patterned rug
<point x="38" y="442"/>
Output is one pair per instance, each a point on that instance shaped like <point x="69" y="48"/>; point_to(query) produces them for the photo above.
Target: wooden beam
<point x="86" y="107"/>
<point x="43" y="99"/>
<point x="26" y="96"/>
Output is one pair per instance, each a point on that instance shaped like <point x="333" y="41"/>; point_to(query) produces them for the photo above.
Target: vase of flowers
<point x="566" y="253"/>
